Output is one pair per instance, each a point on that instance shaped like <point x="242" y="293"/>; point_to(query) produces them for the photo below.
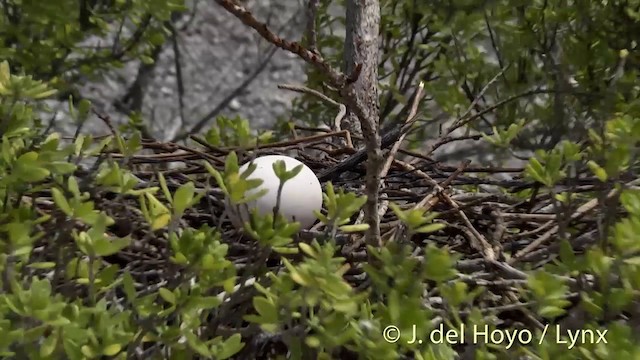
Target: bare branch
<point x="178" y="66"/>
<point x="312" y="35"/>
<point x="200" y="124"/>
<point x="336" y="77"/>
<point x="342" y="109"/>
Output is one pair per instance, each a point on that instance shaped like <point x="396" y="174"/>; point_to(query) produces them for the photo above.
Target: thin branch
<point x="178" y="66"/>
<point x="342" y="109"/>
<point x="200" y="124"/>
<point x="582" y="210"/>
<point x="410" y="120"/>
<point x="244" y="15"/>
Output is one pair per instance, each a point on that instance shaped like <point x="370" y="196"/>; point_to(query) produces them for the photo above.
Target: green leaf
<point x="111" y="350"/>
<point x="550" y="312"/>
<point x="354" y="228"/>
<point x="633" y="261"/>
<point x="566" y="253"/>
<point x="183" y="197"/>
<point x="536" y="171"/>
<point x="598" y="171"/>
<point x="5" y="72"/>
<point x="312" y="342"/>
<point x="197" y="345"/>
<point x="128" y="286"/>
<point x="216" y="174"/>
<point x="439" y="265"/>
<point x="15" y="307"/>
<point x="431" y="228"/>
<point x="49" y="345"/>
<point x="61" y="167"/>
<point x="61" y="201"/>
<point x="266" y="309"/>
<point x="106" y="247"/>
<point x="230" y="347"/>
<point x="165" y="189"/>
<point x="40" y="294"/>
<point x="88" y="351"/>
<point x="308" y="250"/>
<point x="43" y="265"/>
<point x="30" y="172"/>
<point x="73" y="186"/>
<point x="208" y="302"/>
<point x="280" y="169"/>
<point x="167" y="295"/>
<point x="84" y="106"/>
<point x="158" y="215"/>
<point x="231" y="164"/>
<point x="208" y="262"/>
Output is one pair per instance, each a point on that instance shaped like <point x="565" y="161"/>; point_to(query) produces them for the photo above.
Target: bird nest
<point x="495" y="230"/>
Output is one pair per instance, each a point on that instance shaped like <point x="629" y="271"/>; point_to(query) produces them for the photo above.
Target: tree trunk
<point x="361" y="48"/>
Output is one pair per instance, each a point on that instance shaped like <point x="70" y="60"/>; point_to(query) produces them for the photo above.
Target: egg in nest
<point x="301" y="195"/>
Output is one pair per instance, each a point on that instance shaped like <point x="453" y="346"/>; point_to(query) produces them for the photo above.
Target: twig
<point x="465" y="118"/>
<point x="342" y="109"/>
<point x="384" y="205"/>
<point x="408" y="122"/>
<point x="582" y="210"/>
<point x="178" y="66"/>
<point x="312" y="58"/>
<point x="223" y="104"/>
<point x="107" y="120"/>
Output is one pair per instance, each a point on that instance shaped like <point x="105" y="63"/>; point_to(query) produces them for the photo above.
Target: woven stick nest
<point x="495" y="233"/>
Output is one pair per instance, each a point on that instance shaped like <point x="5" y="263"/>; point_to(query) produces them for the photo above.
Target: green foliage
<point x="550" y="167"/>
<point x="340" y="208"/>
<point x="37" y="320"/>
<point x="63" y="296"/>
<point x="51" y="40"/>
<point x="558" y="81"/>
<point x="234" y="184"/>
<point x="615" y="148"/>
<point x="416" y="220"/>
<point x="504" y="138"/>
<point x="549" y="293"/>
<point x="235" y="132"/>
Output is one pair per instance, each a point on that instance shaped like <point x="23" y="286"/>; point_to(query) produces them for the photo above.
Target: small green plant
<point x="235" y="132"/>
<point x="550" y="167"/>
<point x="340" y="208"/>
<point x="416" y="220"/>
<point x="504" y="138"/>
<point x="179" y="285"/>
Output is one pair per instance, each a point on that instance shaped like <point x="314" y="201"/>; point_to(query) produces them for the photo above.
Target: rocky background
<point x="225" y="69"/>
<point x="221" y="67"/>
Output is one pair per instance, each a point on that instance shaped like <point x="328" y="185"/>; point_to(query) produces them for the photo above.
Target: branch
<point x="177" y="63"/>
<point x="201" y="123"/>
<point x="312" y="35"/>
<point x="336" y="77"/>
<point x="305" y="90"/>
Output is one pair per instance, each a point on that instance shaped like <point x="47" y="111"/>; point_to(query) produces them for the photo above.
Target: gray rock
<point x="218" y="53"/>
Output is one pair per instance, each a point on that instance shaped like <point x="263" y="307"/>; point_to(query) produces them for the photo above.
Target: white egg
<point x="301" y="195"/>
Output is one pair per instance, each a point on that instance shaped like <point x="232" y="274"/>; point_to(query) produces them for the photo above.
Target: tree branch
<point x="312" y="35"/>
<point x="336" y="77"/>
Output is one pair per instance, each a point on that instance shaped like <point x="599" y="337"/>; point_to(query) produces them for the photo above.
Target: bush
<point x="119" y="246"/>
